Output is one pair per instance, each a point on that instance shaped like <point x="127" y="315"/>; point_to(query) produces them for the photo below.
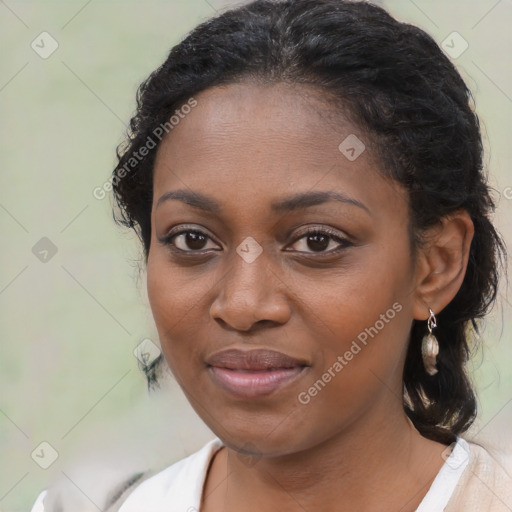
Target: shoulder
<point x="177" y="488"/>
<point x="485" y="484"/>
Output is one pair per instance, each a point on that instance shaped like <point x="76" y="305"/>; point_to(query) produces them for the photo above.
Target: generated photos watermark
<point x="150" y="144"/>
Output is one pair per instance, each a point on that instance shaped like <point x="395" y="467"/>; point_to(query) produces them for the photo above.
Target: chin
<point x="257" y="433"/>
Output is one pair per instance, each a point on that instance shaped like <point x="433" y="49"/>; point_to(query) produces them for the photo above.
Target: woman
<point x="305" y="177"/>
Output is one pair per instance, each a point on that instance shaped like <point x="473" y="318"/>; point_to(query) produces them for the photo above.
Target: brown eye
<point x="318" y="241"/>
<point x="188" y="241"/>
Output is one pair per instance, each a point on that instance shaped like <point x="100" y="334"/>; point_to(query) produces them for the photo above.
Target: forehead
<point x="248" y="113"/>
<point x="260" y="141"/>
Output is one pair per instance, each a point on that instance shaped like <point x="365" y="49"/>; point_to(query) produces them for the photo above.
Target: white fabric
<point x="178" y="488"/>
<point x="444" y="484"/>
<point x="38" y="505"/>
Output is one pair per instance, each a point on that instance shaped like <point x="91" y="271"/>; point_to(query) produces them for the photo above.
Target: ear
<point x="441" y="263"/>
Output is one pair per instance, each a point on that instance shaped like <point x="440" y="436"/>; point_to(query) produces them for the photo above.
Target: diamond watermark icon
<point x="455" y="45"/>
<point x="44" y="45"/>
<point x="249" y="455"/>
<point x="249" y="249"/>
<point x="44" y="250"/>
<point x="146" y="352"/>
<point x="352" y="147"/>
<point x="44" y="455"/>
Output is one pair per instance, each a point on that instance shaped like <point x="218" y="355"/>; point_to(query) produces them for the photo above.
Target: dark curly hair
<point x="393" y="81"/>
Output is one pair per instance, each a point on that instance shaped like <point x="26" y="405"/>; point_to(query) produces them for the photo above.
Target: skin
<point x="351" y="447"/>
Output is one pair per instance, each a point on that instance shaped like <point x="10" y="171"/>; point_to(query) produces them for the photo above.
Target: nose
<point x="251" y="295"/>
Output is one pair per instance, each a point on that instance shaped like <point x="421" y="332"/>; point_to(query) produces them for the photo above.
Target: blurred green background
<point x="71" y="320"/>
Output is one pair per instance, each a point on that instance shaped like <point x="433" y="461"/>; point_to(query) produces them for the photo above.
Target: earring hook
<point x="432" y="321"/>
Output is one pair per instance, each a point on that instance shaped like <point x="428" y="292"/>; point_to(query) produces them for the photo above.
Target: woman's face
<point x="283" y="303"/>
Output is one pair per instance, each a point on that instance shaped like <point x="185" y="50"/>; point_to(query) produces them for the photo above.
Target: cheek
<point x="361" y="314"/>
<point x="178" y="299"/>
<point x="179" y="302"/>
<point x="358" y="357"/>
<point x="356" y="334"/>
<point x="348" y="300"/>
<point x="173" y="292"/>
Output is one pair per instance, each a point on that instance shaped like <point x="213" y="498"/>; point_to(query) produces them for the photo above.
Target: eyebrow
<point x="288" y="204"/>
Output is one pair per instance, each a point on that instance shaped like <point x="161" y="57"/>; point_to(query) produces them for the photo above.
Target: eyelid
<point x="334" y="233"/>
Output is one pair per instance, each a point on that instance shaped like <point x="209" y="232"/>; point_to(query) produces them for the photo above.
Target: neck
<point x="381" y="462"/>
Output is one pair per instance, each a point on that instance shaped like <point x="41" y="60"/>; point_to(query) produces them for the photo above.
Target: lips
<point x="253" y="373"/>
<point x="253" y="360"/>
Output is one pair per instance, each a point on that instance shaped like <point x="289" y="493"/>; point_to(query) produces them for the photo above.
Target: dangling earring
<point x="430" y="346"/>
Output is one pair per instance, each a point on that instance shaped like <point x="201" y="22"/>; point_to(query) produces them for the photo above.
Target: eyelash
<point x="331" y="234"/>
